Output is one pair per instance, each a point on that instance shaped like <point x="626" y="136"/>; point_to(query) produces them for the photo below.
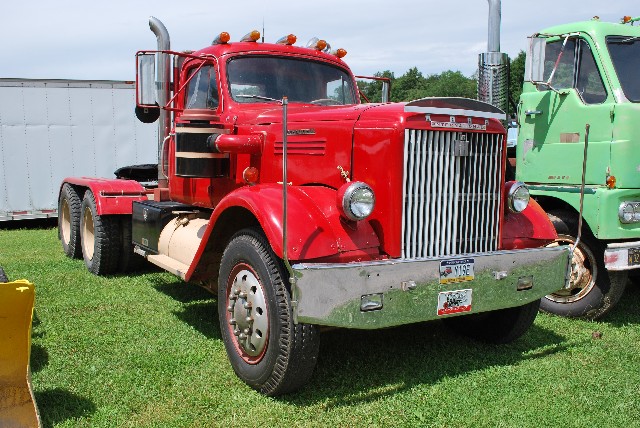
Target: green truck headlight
<point x="629" y="212"/>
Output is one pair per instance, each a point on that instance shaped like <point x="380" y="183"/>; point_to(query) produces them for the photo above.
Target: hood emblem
<point x="310" y="131"/>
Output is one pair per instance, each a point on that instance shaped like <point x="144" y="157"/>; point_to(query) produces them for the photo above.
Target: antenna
<point x="262" y="28"/>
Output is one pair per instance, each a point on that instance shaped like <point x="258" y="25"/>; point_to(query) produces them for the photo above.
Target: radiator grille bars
<point x="451" y="192"/>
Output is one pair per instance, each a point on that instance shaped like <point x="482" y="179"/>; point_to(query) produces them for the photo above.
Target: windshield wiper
<point x="258" y="97"/>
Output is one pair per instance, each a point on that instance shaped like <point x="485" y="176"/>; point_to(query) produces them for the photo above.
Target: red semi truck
<point x="301" y="207"/>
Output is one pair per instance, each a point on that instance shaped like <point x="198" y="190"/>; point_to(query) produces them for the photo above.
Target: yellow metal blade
<point x="17" y="405"/>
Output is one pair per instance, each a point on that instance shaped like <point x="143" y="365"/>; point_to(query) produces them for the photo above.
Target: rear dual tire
<point x="100" y="237"/>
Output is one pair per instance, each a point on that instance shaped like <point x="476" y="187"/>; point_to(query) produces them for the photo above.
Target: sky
<point x="70" y="39"/>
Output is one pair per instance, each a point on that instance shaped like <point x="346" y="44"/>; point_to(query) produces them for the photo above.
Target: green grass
<point x="144" y="350"/>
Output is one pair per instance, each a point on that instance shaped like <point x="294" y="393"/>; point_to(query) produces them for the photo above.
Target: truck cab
<point x="299" y="206"/>
<point x="586" y="88"/>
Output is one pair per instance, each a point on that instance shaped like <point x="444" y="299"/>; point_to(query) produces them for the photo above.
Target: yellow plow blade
<point x="17" y="405"/>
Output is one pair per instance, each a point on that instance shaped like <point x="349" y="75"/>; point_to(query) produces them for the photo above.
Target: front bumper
<point x="622" y="256"/>
<point x="410" y="291"/>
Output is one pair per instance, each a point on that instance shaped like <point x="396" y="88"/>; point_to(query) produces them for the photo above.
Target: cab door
<point x="199" y="176"/>
<point x="553" y="118"/>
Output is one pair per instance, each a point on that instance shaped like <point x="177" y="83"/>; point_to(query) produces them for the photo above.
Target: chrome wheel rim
<point x="247" y="316"/>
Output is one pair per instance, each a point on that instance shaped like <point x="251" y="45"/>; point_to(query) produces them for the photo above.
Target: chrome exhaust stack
<point x="163" y="87"/>
<point x="493" y="65"/>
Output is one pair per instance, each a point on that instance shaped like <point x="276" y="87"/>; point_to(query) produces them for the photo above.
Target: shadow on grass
<point x="199" y="307"/>
<point x="39" y="358"/>
<point x="626" y="311"/>
<point x="38" y="223"/>
<point x="362" y="366"/>
<point x="58" y="405"/>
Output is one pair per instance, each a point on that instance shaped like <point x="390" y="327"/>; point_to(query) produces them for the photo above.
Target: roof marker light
<point x="222" y="39"/>
<point x="251" y="37"/>
<point x="317" y="44"/>
<point x="340" y="53"/>
<point x="287" y="40"/>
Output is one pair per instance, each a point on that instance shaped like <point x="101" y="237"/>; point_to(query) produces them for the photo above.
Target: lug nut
<point x="247" y="305"/>
<point x="249" y="320"/>
<point x="232" y="321"/>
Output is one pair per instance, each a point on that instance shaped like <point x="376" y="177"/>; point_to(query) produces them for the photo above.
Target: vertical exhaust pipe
<point x="164" y="67"/>
<point x="493" y="65"/>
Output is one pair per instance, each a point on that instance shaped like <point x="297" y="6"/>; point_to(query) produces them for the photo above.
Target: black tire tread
<point x="298" y="345"/>
<point x="609" y="286"/>
<point x="72" y="249"/>
<point x="108" y="244"/>
<point x="129" y="261"/>
<point x="3" y="276"/>
<point x="497" y="327"/>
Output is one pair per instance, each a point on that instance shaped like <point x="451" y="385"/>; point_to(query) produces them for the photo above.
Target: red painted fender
<point x="314" y="230"/>
<point x="529" y="229"/>
<point x="113" y="196"/>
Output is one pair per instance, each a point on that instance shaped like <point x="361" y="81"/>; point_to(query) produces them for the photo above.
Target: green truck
<point x="582" y="87"/>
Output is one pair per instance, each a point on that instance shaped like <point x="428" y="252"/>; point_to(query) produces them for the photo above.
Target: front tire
<point x="593" y="290"/>
<point x="101" y="238"/>
<point x="501" y="326"/>
<point x="266" y="349"/>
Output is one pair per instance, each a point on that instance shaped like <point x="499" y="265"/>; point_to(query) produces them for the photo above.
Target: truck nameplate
<point x="458" y="125"/>
<point x="460" y="270"/>
<point x="454" y="302"/>
<point x="634" y="256"/>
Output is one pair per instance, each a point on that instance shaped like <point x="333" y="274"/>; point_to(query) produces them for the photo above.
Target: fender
<point x="529" y="229"/>
<point x="315" y="228"/>
<point x="113" y="196"/>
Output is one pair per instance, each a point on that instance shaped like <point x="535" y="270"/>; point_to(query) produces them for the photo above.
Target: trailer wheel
<point x="69" y="221"/>
<point x="593" y="289"/>
<point x="101" y="238"/>
<point x="501" y="326"/>
<point x="266" y="349"/>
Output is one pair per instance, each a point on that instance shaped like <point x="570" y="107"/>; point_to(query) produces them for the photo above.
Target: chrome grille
<point x="451" y="192"/>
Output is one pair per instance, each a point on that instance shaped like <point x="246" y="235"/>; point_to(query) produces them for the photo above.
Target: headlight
<point x="356" y="200"/>
<point x="518" y="197"/>
<point x="629" y="212"/>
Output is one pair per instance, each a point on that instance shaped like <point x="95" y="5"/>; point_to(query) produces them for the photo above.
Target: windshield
<point x="268" y="79"/>
<point x="625" y="54"/>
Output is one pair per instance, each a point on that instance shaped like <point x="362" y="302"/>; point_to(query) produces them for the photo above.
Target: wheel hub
<point x="582" y="275"/>
<point x="248" y="313"/>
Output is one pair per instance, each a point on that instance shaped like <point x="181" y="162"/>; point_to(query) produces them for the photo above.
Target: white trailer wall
<point x="52" y="129"/>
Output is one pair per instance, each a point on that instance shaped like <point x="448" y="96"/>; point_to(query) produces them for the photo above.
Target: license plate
<point x="460" y="270"/>
<point x="634" y="256"/>
<point x="454" y="302"/>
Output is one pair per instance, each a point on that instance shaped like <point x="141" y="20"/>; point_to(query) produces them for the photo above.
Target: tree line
<point x="414" y="85"/>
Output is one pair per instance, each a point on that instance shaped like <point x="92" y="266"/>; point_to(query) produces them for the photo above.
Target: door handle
<point x="532" y="112"/>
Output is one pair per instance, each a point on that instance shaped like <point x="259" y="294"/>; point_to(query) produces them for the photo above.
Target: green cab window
<point x="576" y="68"/>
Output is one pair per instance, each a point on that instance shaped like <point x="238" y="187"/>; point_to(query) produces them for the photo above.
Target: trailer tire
<point x="100" y="237"/>
<point x="594" y="290"/>
<point x="498" y="327"/>
<point x="69" y="208"/>
<point x="270" y="353"/>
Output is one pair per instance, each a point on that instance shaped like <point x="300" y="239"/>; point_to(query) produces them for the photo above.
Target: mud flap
<point x="17" y="404"/>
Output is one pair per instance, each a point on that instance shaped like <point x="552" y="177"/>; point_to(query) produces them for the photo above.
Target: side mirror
<point x="146" y="80"/>
<point x="534" y="63"/>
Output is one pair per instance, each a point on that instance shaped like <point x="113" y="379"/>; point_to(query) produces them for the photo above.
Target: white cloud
<point x="79" y="40"/>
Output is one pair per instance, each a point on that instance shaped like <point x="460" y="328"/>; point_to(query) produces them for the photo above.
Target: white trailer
<point x="52" y="129"/>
